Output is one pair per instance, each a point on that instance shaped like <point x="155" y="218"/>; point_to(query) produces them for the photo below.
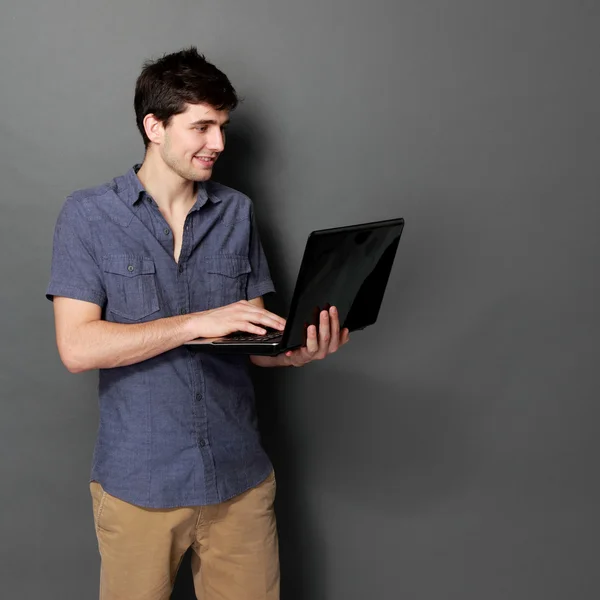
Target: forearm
<point x="102" y="345"/>
<point x="281" y="360"/>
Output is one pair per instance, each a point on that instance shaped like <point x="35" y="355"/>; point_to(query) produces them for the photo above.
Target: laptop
<point x="346" y="267"/>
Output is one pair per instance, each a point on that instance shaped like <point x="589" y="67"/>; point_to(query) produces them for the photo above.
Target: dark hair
<point x="166" y="85"/>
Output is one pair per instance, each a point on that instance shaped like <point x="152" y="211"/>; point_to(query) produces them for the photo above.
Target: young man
<point x="157" y="257"/>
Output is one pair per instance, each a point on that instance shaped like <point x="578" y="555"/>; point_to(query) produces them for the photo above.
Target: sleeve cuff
<point x="265" y="287"/>
<point x="69" y="291"/>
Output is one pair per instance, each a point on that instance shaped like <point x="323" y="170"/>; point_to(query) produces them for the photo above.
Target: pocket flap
<point x="230" y="265"/>
<point x="129" y="266"/>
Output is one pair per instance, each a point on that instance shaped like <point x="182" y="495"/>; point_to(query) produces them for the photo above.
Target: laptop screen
<point x="348" y="268"/>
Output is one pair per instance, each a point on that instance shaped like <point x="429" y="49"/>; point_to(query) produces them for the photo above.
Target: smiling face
<point x="192" y="141"/>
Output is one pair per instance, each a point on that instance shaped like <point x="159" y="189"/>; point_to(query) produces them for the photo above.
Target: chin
<point x="204" y="176"/>
<point x="199" y="174"/>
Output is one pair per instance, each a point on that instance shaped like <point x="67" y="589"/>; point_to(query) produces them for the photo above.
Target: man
<point x="155" y="258"/>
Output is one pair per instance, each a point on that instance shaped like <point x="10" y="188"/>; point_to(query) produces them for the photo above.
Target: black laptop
<point x="345" y="267"/>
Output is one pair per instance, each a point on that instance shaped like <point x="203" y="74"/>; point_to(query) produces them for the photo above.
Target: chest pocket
<point x="227" y="278"/>
<point x="130" y="286"/>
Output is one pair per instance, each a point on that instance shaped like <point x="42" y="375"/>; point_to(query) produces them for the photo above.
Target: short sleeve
<point x="259" y="281"/>
<point x="74" y="271"/>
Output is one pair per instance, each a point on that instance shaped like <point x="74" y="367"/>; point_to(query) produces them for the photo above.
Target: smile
<point x="206" y="159"/>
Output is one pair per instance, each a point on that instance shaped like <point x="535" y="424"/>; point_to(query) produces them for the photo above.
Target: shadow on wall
<point x="376" y="446"/>
<point x="381" y="445"/>
<point x="238" y="168"/>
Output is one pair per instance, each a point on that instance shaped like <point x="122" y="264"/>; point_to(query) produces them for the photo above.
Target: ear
<point x="154" y="129"/>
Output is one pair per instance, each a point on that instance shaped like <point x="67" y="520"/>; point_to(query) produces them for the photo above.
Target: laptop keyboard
<point x="242" y="336"/>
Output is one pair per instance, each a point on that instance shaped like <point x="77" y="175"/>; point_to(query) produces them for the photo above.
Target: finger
<point x="248" y="307"/>
<point x="334" y="321"/>
<point x="345" y="337"/>
<point x="324" y="334"/>
<point x="264" y="314"/>
<point x="312" y="341"/>
<point x="250" y="328"/>
<point x="279" y="320"/>
<point x="266" y="318"/>
<point x="276" y="318"/>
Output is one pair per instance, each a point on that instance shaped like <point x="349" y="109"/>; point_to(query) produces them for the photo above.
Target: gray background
<point x="449" y="452"/>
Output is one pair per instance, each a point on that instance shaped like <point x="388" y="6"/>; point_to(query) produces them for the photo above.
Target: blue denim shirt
<point x="178" y="429"/>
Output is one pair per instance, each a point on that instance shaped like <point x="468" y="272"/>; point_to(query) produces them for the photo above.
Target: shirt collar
<point x="136" y="191"/>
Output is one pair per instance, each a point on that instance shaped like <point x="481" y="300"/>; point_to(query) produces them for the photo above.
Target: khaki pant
<point x="235" y="548"/>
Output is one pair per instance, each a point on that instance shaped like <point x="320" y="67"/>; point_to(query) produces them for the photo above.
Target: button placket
<point x="202" y="442"/>
<point x="199" y="407"/>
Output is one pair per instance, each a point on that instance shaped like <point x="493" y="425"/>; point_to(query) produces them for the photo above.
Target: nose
<point x="216" y="140"/>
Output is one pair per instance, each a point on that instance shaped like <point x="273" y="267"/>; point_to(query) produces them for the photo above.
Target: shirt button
<point x="198" y="397"/>
<point x="180" y="268"/>
<point x="202" y="443"/>
<point x="130" y="268"/>
<point x="182" y="311"/>
<point x="167" y="231"/>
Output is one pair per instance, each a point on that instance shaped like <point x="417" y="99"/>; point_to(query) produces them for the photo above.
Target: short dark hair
<point x="166" y="85"/>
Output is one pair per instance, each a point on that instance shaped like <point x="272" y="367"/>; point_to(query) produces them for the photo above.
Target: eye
<point x="202" y="128"/>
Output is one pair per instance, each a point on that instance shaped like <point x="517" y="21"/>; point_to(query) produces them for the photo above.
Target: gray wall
<point x="451" y="451"/>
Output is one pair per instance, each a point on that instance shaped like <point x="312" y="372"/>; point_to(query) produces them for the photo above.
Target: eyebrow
<point x="210" y="122"/>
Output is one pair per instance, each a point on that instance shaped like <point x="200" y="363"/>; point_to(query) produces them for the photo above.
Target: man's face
<point x="193" y="140"/>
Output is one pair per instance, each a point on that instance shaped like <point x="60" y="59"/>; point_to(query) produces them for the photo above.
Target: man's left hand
<point x="328" y="340"/>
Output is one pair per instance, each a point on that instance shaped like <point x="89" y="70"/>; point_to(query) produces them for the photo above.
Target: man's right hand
<point x="86" y="341"/>
<point x="239" y="316"/>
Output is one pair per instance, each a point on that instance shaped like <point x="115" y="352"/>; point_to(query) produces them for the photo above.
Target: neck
<point x="168" y="189"/>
